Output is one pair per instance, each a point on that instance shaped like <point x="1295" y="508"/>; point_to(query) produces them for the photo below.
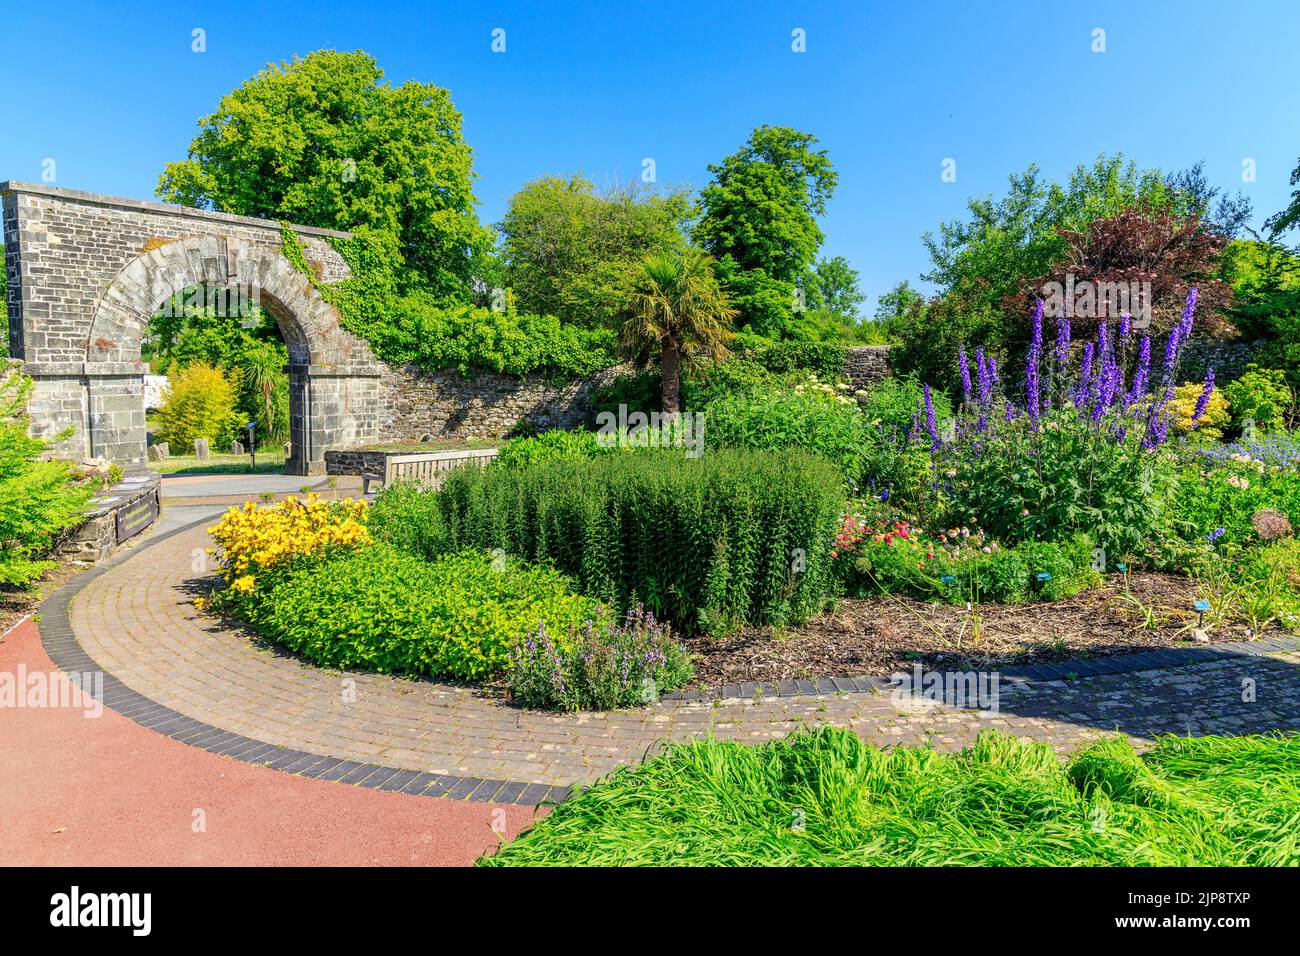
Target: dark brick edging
<point x="61" y="645"/>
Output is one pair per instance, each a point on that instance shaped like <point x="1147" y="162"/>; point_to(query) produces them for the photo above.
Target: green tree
<point x="574" y="252"/>
<point x="324" y="141"/>
<point x="837" y="288"/>
<point x="680" y="312"/>
<point x="758" y="218"/>
<point x="1288" y="218"/>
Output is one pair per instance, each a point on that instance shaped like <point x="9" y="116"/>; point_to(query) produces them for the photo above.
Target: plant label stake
<point x="1201" y="607"/>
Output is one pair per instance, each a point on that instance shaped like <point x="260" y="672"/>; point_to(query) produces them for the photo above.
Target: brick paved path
<point x="136" y="620"/>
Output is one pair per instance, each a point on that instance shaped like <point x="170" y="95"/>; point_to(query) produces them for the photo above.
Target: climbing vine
<point x="411" y="326"/>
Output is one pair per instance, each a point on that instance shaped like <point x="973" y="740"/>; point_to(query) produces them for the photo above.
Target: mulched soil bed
<point x="17" y="603"/>
<point x="882" y="635"/>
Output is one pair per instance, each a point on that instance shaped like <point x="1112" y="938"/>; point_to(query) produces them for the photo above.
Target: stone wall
<point x="1228" y="358"/>
<point x="865" y="365"/>
<point x="414" y="402"/>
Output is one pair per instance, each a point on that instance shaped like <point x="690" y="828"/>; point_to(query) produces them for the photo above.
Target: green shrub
<point x="891" y="405"/>
<point x="407" y="517"/>
<point x="962" y="565"/>
<point x="465" y="338"/>
<point x="553" y="445"/>
<point x="600" y="667"/>
<point x="708" y="543"/>
<point x="1058" y="481"/>
<point x="1260" y="395"/>
<point x="1218" y="495"/>
<point x="1204" y="801"/>
<point x="378" y="609"/>
<point x="811" y="419"/>
<point x="824" y="359"/>
<point x="199" y="403"/>
<point x="37" y="498"/>
<point x="637" y="391"/>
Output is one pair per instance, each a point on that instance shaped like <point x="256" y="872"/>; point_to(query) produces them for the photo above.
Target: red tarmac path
<point x="78" y="791"/>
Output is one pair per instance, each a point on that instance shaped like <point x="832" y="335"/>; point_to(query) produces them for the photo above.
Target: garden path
<point x="187" y="675"/>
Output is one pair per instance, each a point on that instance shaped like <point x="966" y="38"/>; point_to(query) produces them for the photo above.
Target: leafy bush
<point x="1259" y="395"/>
<point x="825" y="359"/>
<point x="807" y="418"/>
<point x="1063" y="479"/>
<point x="734" y="536"/>
<point x="199" y="403"/>
<point x="1204" y="801"/>
<point x="553" y="445"/>
<point x="38" y="499"/>
<point x="891" y="405"/>
<point x="407" y="517"/>
<point x="1220" y="493"/>
<point x="600" y="667"/>
<point x="961" y="565"/>
<point x="637" y="391"/>
<point x="378" y="609"/>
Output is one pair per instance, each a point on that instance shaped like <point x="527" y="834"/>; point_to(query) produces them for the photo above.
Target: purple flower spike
<point x="1125" y="325"/>
<point x="1062" y="343"/>
<point x="1143" y="370"/>
<point x="964" y="366"/>
<point x="931" y="425"/>
<point x="1203" y="401"/>
<point x="1032" y="385"/>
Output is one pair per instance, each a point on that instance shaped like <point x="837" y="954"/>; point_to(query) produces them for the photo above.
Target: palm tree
<point x="679" y="308"/>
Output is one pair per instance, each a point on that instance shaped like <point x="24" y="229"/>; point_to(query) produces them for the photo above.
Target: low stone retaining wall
<point x="116" y="516"/>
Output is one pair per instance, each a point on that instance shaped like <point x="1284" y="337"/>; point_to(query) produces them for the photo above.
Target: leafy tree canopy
<point x="759" y="219"/>
<point x="324" y="141"/>
<point x="1001" y="242"/>
<point x="575" y="252"/>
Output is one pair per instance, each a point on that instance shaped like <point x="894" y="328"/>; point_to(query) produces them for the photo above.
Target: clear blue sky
<point x="112" y="91"/>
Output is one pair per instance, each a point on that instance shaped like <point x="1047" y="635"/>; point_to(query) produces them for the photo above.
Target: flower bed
<point x="308" y="575"/>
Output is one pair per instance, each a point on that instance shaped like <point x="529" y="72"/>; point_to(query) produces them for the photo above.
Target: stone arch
<point x="85" y="274"/>
<point x="321" y="355"/>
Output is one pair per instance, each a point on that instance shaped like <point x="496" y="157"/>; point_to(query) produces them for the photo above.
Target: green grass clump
<point x="825" y="798"/>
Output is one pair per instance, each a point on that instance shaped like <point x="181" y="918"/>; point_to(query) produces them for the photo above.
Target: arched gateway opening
<point x="85" y="274"/>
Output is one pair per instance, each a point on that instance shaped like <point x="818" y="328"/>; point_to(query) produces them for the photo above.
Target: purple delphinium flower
<point x="1010" y="413"/>
<point x="1085" y="376"/>
<point x="1062" y="343"/>
<point x="1189" y="312"/>
<point x="1216" y="534"/>
<point x="964" y="366"/>
<point x="1104" y="390"/>
<point x="1125" y="325"/>
<point x="1203" y="401"/>
<point x="931" y="425"/>
<point x="1143" y="370"/>
<point x="984" y="388"/>
<point x="1032" y="385"/>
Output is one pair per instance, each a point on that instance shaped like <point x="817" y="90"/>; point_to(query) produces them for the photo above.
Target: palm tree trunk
<point x="671" y="363"/>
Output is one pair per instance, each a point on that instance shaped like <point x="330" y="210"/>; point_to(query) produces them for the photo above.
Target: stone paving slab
<point x="189" y="675"/>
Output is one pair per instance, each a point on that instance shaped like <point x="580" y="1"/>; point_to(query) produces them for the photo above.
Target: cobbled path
<point x="137" y="621"/>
